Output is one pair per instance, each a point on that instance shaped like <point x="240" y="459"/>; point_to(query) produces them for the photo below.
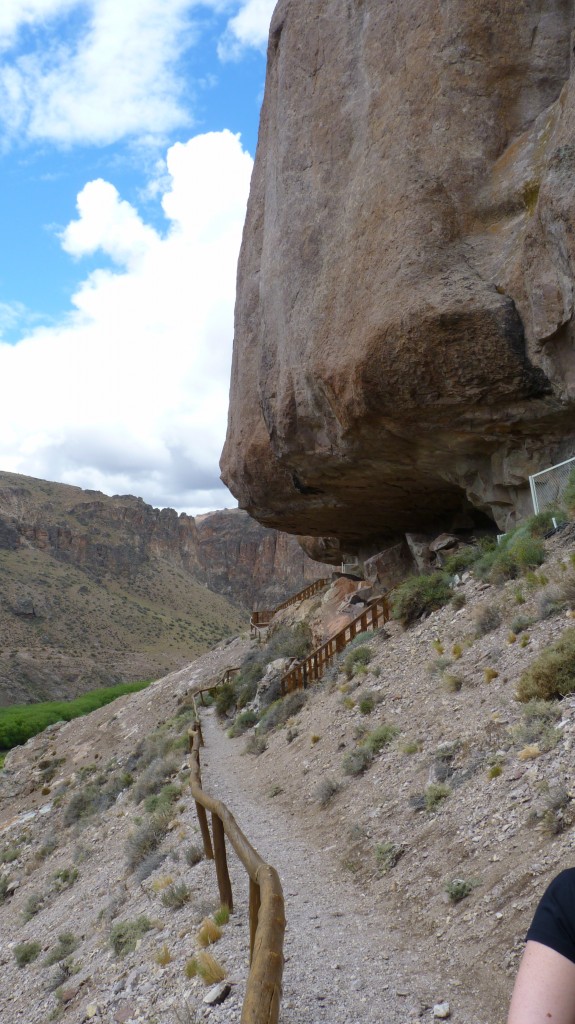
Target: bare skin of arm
<point x="544" y="990"/>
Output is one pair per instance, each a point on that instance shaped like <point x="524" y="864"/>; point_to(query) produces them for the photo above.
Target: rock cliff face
<point x="404" y="324"/>
<point x="226" y="550"/>
<point x="97" y="590"/>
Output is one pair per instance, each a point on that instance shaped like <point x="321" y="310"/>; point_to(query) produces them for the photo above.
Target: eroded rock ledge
<point x="404" y="325"/>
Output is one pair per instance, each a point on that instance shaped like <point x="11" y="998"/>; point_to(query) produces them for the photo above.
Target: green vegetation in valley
<point x="20" y="722"/>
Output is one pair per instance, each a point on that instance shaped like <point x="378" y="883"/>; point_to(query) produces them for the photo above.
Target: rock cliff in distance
<point x="403" y="354"/>
<point x="96" y="590"/>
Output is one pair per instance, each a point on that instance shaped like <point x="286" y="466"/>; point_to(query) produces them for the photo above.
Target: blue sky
<point x="127" y="135"/>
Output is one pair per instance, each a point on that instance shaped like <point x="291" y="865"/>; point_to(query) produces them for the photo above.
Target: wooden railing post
<point x="224" y="884"/>
<point x="255" y="903"/>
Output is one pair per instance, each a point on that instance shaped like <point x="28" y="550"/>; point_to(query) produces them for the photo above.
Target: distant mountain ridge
<point x="97" y="589"/>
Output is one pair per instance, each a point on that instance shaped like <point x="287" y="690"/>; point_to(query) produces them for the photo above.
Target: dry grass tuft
<point x="210" y="970"/>
<point x="209" y="932"/>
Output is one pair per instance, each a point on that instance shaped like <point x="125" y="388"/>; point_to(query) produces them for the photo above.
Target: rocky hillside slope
<point x="404" y="324"/>
<point x="96" y="590"/>
<point x="433" y="851"/>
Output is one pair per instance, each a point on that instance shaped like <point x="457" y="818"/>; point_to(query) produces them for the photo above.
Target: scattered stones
<point x="441" y="1011"/>
<point x="217" y="994"/>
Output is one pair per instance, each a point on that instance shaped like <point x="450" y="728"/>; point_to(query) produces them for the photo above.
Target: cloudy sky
<point x="127" y="135"/>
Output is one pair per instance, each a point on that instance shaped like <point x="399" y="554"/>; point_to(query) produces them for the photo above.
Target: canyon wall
<point x="403" y="354"/>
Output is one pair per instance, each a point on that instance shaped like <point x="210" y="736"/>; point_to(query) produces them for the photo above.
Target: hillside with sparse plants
<point x="431" y="774"/>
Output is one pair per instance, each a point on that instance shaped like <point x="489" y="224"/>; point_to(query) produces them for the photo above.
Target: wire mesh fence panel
<point x="547" y="486"/>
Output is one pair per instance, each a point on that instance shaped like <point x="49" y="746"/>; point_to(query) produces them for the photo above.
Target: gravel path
<point x="342" y="964"/>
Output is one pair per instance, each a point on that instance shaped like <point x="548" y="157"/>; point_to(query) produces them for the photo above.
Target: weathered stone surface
<point x="404" y="335"/>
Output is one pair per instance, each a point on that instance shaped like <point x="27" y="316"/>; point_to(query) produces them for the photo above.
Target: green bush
<point x="67" y="943"/>
<point x="357" y="760"/>
<point x="281" y="711"/>
<point x="290" y="642"/>
<point x="460" y="561"/>
<point x="153" y="779"/>
<point x="176" y="896"/>
<point x="357" y="656"/>
<point x="379" y="738"/>
<point x="26" y="952"/>
<point x="419" y="594"/>
<point x="552" y="674"/>
<point x="4" y="883"/>
<point x="435" y="794"/>
<point x="162" y="802"/>
<point x="243" y="722"/>
<point x="124" y="935"/>
<point x="141" y="843"/>
<point x="225" y="699"/>
<point x="458" y="889"/>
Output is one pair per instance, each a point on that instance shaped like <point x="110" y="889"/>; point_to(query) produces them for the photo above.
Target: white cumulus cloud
<point x="97" y="71"/>
<point x="248" y="28"/>
<point x="129" y="393"/>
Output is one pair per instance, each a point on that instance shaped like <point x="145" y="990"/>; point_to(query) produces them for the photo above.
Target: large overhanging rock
<point x="403" y="353"/>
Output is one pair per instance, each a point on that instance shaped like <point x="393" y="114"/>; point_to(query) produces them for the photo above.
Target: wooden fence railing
<point x="259" y="621"/>
<point x="302" y="595"/>
<point x="266" y="903"/>
<point x="313" y="667"/>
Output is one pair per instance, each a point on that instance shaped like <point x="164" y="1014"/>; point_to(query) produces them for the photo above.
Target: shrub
<point x="357" y="761"/>
<point x="194" y="854"/>
<point x="82" y="805"/>
<point x="153" y="778"/>
<point x="163" y="956"/>
<point x="387" y="856"/>
<point x="458" y="888"/>
<point x="461" y="560"/>
<point x="255" y="745"/>
<point x="67" y="943"/>
<point x="222" y="915"/>
<point x="366" y="704"/>
<point x="209" y="969"/>
<point x="379" y="738"/>
<point x="243" y="722"/>
<point x="410" y="747"/>
<point x="537" y="725"/>
<point x="33" y="905"/>
<point x="521" y="622"/>
<point x="486" y="618"/>
<point x="4" y="883"/>
<point x="141" y="843"/>
<point x="552" y="674"/>
<point x="550" y="602"/>
<point x="325" y="791"/>
<point x="176" y="896"/>
<point x="125" y="934"/>
<point x="458" y="600"/>
<point x="209" y="932"/>
<point x="435" y="794"/>
<point x="65" y="877"/>
<point x="357" y="657"/>
<point x="225" y="697"/>
<point x="452" y="683"/>
<point x="281" y="710"/>
<point x="419" y="594"/>
<point x="26" y="952"/>
<point x="162" y="802"/>
<point x="489" y="674"/>
<point x="456" y="652"/>
<point x="148" y="865"/>
<point x="290" y="642"/>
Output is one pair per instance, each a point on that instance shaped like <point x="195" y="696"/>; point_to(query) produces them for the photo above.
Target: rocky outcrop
<point x="238" y="556"/>
<point x="226" y="550"/>
<point x="403" y="354"/>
